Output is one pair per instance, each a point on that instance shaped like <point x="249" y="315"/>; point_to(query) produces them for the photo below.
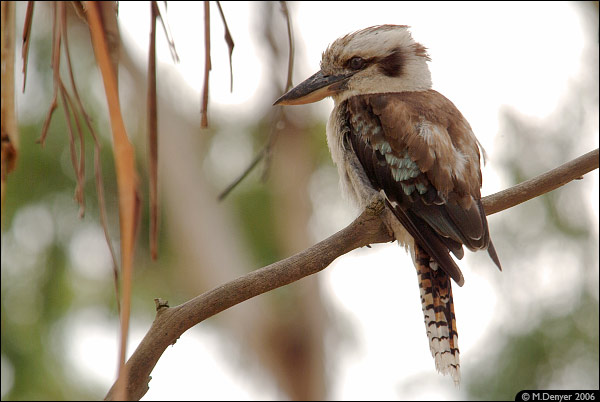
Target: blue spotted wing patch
<point x="413" y="199"/>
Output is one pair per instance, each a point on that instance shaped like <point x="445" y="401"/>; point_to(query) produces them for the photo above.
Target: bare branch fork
<point x="368" y="228"/>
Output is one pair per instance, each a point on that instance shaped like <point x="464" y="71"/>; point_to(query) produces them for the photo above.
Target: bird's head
<point x="379" y="59"/>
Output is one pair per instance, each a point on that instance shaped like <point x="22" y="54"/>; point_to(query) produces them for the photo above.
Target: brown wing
<point x="420" y="151"/>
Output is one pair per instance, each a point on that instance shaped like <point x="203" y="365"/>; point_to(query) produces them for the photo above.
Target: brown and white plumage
<point x="392" y="136"/>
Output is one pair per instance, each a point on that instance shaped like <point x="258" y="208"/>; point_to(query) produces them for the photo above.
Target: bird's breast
<point x="354" y="182"/>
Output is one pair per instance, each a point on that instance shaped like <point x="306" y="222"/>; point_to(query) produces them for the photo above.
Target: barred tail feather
<point x="438" y="309"/>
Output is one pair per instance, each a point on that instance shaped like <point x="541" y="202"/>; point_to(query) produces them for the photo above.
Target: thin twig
<point x="278" y="124"/>
<point x="264" y="153"/>
<point x="368" y="228"/>
<point x="168" y="33"/>
<point x="55" y="64"/>
<point x="80" y="170"/>
<point x="207" y="66"/>
<point x="46" y="125"/>
<point x="97" y="165"/>
<point x="286" y="13"/>
<point x="245" y="173"/>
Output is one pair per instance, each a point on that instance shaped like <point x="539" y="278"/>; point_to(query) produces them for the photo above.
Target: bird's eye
<point x="356" y="63"/>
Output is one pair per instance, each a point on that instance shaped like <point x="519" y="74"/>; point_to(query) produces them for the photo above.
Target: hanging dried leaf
<point x="127" y="179"/>
<point x="26" y="39"/>
<point x="152" y="111"/>
<point x="230" y="45"/>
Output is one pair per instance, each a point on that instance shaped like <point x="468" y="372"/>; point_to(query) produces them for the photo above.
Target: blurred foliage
<point x="37" y="285"/>
<point x="252" y="202"/>
<point x="538" y="358"/>
<point x="41" y="288"/>
<point x="33" y="350"/>
<point x="253" y="208"/>
<point x="556" y="347"/>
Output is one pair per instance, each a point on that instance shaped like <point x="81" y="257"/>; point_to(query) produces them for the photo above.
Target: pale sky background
<point x="486" y="57"/>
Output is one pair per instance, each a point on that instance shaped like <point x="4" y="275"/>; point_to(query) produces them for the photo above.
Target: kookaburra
<point x="393" y="137"/>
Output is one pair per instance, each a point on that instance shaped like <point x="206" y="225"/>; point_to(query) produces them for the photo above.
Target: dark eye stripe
<point x="393" y="64"/>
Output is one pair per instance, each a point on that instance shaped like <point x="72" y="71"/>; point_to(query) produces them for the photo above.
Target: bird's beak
<point x="314" y="89"/>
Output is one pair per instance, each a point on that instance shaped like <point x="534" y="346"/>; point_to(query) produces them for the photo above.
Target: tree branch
<point x="541" y="184"/>
<point x="368" y="228"/>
